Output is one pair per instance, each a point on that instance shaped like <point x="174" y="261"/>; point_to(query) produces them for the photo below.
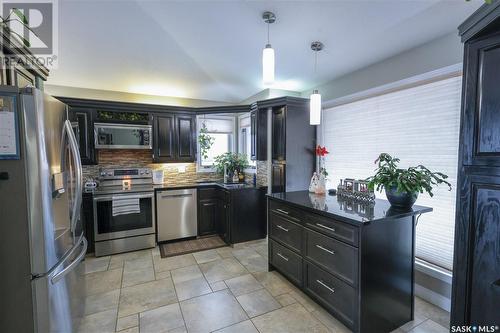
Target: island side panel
<point x="386" y="274"/>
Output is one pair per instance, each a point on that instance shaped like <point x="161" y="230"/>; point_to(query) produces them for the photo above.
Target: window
<point x="419" y="125"/>
<point x="245" y="139"/>
<point x="221" y="129"/>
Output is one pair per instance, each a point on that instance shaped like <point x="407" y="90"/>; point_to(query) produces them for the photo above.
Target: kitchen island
<point x="355" y="259"/>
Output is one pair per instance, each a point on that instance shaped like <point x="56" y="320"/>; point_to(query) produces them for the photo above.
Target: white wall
<point x="436" y="54"/>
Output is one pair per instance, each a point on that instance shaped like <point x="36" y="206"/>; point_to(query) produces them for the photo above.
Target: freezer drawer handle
<point x="332" y="290"/>
<point x="324" y="249"/>
<point x="282" y="256"/>
<point x="71" y="266"/>
<point x="325" y="227"/>
<point x="280" y="227"/>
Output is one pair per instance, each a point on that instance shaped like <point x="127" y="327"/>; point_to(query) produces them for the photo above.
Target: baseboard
<point x="433" y="297"/>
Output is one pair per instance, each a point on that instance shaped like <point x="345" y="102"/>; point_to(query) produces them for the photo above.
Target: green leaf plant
<point x="232" y="161"/>
<point x="412" y="180"/>
<point x="206" y="141"/>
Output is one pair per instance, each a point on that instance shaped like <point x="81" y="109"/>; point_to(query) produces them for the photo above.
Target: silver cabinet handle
<point x="167" y="196"/>
<point x="324" y="249"/>
<point x="282" y="211"/>
<point x="332" y="290"/>
<point x="280" y="227"/>
<point x="282" y="256"/>
<point x="325" y="227"/>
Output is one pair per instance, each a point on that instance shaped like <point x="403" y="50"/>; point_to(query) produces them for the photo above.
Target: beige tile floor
<point x="222" y="290"/>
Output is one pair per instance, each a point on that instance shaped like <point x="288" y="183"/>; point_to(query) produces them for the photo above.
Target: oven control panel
<point x="125" y="173"/>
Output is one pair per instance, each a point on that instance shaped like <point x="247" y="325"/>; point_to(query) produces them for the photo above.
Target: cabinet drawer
<point x="291" y="213"/>
<point x="335" y="295"/>
<point x="332" y="255"/>
<point x="207" y="193"/>
<point x="285" y="231"/>
<point x="330" y="227"/>
<point x="286" y="262"/>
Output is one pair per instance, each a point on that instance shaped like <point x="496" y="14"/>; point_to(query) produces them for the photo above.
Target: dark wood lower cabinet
<point x="237" y="215"/>
<point x="87" y="217"/>
<point x="361" y="273"/>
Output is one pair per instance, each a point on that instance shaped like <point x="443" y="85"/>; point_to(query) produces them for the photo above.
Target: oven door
<point x="112" y="225"/>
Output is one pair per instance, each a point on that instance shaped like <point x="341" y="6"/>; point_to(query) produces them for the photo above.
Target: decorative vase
<point x="400" y="199"/>
<point x="235" y="177"/>
<point x="314" y="183"/>
<point x="241" y="176"/>
<point x="321" y="187"/>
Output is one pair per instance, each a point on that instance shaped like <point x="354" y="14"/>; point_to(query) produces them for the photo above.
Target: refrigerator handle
<point x="75" y="152"/>
<point x="59" y="275"/>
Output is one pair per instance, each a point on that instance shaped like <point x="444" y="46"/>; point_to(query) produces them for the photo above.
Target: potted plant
<point x="230" y="163"/>
<point x="402" y="186"/>
<point x="206" y="141"/>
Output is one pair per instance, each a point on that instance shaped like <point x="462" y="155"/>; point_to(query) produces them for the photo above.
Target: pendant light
<point x="268" y="52"/>
<point x="315" y="98"/>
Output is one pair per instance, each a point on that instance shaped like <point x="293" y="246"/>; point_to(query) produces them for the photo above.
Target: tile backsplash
<point x="129" y="158"/>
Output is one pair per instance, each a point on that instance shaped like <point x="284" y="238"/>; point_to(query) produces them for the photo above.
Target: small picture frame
<point x="9" y="127"/>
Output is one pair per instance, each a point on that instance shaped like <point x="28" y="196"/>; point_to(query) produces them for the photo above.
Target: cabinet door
<point x="480" y="136"/>
<point x="208" y="216"/>
<point x="82" y="121"/>
<point x="279" y="133"/>
<point x="164" y="142"/>
<point x="224" y="220"/>
<point x="476" y="281"/>
<point x="186" y="138"/>
<point x="278" y="178"/>
<point x="253" y="135"/>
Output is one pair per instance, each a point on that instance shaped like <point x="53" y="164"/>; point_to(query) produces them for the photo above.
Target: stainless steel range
<point x="124" y="211"/>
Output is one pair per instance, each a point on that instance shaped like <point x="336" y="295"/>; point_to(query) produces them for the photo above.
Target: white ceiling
<point x="212" y="49"/>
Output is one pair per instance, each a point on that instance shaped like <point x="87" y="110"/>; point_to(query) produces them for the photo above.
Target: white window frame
<point x="199" y="120"/>
<point x="253" y="164"/>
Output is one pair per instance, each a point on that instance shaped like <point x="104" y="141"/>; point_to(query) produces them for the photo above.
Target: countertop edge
<point x="346" y="219"/>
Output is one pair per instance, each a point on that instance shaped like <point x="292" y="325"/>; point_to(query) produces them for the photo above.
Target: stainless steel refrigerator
<point x="41" y="235"/>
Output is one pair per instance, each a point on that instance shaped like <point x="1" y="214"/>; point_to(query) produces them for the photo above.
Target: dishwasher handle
<point x="168" y="196"/>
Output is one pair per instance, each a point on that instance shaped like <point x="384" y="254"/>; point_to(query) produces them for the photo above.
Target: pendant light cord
<point x="267" y="32"/>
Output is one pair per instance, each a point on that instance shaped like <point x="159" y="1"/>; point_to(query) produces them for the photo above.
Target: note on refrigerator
<point x="8" y="134"/>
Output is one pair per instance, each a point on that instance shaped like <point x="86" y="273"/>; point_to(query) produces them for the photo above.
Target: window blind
<point x="419" y="125"/>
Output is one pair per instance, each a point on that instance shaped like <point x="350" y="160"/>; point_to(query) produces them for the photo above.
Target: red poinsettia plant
<point x="321" y="152"/>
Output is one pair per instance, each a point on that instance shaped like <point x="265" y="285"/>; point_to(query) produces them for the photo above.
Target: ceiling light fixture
<point x="268" y="52"/>
<point x="315" y="98"/>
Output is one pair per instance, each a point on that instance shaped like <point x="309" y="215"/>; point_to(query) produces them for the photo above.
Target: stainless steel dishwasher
<point x="176" y="213"/>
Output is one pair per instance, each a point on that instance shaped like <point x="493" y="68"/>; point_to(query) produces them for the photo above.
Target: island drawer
<point x="334" y="294"/>
<point x="285" y="231"/>
<point x="333" y="228"/>
<point x="287" y="262"/>
<point x="332" y="255"/>
<point x="283" y="209"/>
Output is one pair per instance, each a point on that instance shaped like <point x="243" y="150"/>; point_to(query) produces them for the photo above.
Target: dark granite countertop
<point x="168" y="186"/>
<point x="346" y="210"/>
<point x="236" y="186"/>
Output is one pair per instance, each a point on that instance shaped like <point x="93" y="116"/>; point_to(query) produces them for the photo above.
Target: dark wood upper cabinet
<point x="164" y="138"/>
<point x="82" y="121"/>
<point x="174" y="138"/>
<point x="258" y="131"/>
<point x="279" y="133"/>
<point x="476" y="266"/>
<point x="186" y="138"/>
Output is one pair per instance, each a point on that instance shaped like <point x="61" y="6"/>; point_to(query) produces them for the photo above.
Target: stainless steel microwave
<point x="122" y="136"/>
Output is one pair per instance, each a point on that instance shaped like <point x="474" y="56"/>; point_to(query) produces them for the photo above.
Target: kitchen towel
<point x="126" y="205"/>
